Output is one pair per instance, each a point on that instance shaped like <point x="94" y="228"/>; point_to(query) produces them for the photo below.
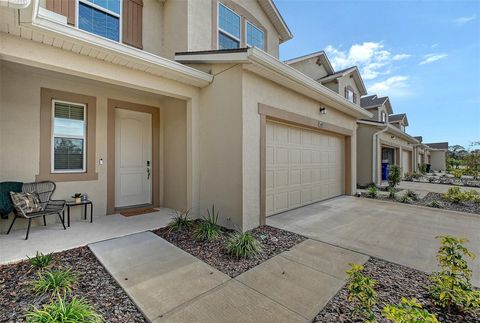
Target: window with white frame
<point x="100" y="17"/>
<point x="68" y="137"/>
<point x="255" y="36"/>
<point x="384" y="117"/>
<point x="402" y="127"/>
<point x="228" y="28"/>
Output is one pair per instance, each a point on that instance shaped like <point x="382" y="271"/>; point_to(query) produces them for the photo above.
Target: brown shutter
<point x="132" y="23"/>
<point x="63" y="7"/>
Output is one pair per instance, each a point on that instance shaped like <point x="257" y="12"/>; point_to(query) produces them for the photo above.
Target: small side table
<point x="82" y="203"/>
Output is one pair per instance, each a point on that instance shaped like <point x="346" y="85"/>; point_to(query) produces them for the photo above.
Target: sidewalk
<point x="170" y="285"/>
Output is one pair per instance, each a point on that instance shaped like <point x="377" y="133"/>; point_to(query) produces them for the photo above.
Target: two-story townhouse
<point x="382" y="140"/>
<point x="433" y="155"/>
<point x="176" y="104"/>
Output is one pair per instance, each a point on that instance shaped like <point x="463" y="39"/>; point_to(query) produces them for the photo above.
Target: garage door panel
<point x="305" y="167"/>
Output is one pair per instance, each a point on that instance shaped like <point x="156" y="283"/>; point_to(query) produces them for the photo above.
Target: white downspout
<point x="374" y="153"/>
<point x="415" y="157"/>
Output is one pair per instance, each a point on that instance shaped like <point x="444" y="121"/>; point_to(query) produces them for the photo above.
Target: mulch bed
<point x="468" y="207"/>
<point x="446" y="180"/>
<point x="393" y="282"/>
<point x="94" y="284"/>
<point x="274" y="241"/>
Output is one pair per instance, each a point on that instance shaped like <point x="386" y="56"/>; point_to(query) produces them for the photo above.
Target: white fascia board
<point x="337" y="101"/>
<point x="213" y="58"/>
<point x="15" y="4"/>
<point x="402" y="134"/>
<point x="45" y="24"/>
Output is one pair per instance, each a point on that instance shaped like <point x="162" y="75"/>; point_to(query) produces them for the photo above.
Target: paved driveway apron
<point x="396" y="232"/>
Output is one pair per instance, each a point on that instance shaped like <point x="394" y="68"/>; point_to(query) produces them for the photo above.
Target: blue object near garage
<point x="384" y="171"/>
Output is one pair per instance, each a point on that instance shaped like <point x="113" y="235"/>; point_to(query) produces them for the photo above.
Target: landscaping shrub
<point x="405" y="198"/>
<point x="60" y="310"/>
<point x="431" y="179"/>
<point x="435" y="204"/>
<point x="208" y="229"/>
<point x="457" y="173"/>
<point x="394" y="176"/>
<point x="451" y="287"/>
<point x="54" y="281"/>
<point x="243" y="245"/>
<point x="408" y="176"/>
<point x="408" y="311"/>
<point x="422" y="168"/>
<point x="361" y="293"/>
<point x="392" y="192"/>
<point x="180" y="221"/>
<point x="412" y="195"/>
<point x="372" y="191"/>
<point x="456" y="195"/>
<point x="40" y="260"/>
<point x="417" y="175"/>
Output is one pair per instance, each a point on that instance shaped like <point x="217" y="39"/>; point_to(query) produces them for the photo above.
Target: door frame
<point x="113" y="104"/>
<point x="266" y="113"/>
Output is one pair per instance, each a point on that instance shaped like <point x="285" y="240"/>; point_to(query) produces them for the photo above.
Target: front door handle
<point x="148" y="172"/>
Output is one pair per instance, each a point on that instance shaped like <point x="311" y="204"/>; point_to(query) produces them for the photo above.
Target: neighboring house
<point x="382" y="139"/>
<point x="433" y="154"/>
<point x="179" y="104"/>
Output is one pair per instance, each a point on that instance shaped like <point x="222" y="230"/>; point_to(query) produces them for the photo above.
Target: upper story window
<point x="384" y="117"/>
<point x="350" y="95"/>
<point x="68" y="137"/>
<point x="255" y="36"/>
<point x="100" y="17"/>
<point x="228" y="28"/>
<point x="402" y="127"/>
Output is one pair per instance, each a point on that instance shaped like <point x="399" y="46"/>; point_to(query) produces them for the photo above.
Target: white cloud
<point x="371" y="58"/>
<point x="394" y="86"/>
<point x="400" y="57"/>
<point x="464" y="20"/>
<point x="430" y="58"/>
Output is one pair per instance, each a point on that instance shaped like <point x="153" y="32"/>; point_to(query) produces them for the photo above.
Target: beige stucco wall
<point x="364" y="153"/>
<point x="153" y="20"/>
<point x="439" y="160"/>
<point x="174" y="160"/>
<point x="220" y="147"/>
<point x="259" y="90"/>
<point x="310" y="68"/>
<point x="20" y="124"/>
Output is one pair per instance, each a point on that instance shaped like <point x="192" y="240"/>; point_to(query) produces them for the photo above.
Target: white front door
<point x="133" y="158"/>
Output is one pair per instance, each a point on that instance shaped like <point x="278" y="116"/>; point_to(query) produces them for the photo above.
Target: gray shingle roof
<point x="438" y="145"/>
<point x="396" y="117"/>
<point x="372" y="101"/>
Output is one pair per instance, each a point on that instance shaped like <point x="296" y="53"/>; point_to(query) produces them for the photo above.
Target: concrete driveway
<point x="396" y="232"/>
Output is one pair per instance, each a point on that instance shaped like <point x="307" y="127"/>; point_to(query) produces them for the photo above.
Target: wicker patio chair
<point x="44" y="191"/>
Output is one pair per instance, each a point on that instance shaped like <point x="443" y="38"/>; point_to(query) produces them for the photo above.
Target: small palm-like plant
<point x="243" y="245"/>
<point x="435" y="204"/>
<point x="60" y="310"/>
<point x="180" y="221"/>
<point x="405" y="198"/>
<point x="40" y="260"/>
<point x="54" y="281"/>
<point x="372" y="191"/>
<point x="412" y="195"/>
<point x="392" y="192"/>
<point x="208" y="229"/>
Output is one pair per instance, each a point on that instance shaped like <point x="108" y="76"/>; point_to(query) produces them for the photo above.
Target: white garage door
<point x="406" y="162"/>
<point x="303" y="167"/>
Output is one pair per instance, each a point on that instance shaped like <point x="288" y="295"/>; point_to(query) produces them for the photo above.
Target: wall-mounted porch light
<point x="323" y="110"/>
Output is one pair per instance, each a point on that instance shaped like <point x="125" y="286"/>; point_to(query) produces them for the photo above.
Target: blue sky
<point x="425" y="55"/>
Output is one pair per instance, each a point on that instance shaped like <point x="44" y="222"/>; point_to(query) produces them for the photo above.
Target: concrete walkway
<point x="170" y="285"/>
<point x="400" y="233"/>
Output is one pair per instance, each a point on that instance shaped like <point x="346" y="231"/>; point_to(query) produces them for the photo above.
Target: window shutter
<point x="132" y="23"/>
<point x="63" y="7"/>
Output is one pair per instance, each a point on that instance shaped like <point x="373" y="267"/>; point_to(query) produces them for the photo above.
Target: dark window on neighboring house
<point x="350" y="95"/>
